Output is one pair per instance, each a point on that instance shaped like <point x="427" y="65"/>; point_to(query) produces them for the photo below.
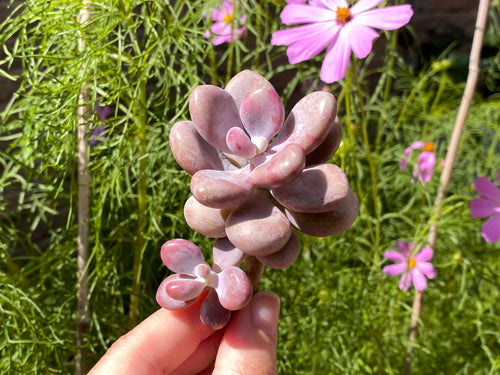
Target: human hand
<point x="178" y="343"/>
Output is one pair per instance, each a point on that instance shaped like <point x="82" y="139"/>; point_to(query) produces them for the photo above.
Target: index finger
<point x="158" y="345"/>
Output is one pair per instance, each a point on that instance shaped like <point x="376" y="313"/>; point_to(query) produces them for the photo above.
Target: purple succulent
<point x="255" y="174"/>
<point x="230" y="287"/>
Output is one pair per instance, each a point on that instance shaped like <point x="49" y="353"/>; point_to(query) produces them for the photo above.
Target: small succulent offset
<point x="230" y="288"/>
<point x="256" y="178"/>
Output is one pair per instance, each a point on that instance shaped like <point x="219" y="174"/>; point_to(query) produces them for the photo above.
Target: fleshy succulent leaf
<point x="239" y="143"/>
<point x="222" y="189"/>
<point x="262" y="114"/>
<point x="167" y="302"/>
<point x="284" y="257"/>
<point x="190" y="150"/>
<point x="328" y="147"/>
<point x="258" y="227"/>
<point x="280" y="168"/>
<point x="208" y="221"/>
<point x="308" y="123"/>
<point x="234" y="288"/>
<point x="184" y="287"/>
<point x="245" y="82"/>
<point x="181" y="256"/>
<point x="329" y="223"/>
<point x="225" y="254"/>
<point x="212" y="313"/>
<point x="213" y="112"/>
<point x="318" y="189"/>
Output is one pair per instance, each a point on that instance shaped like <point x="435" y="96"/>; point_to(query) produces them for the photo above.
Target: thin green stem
<point x="437" y="98"/>
<point x="371" y="162"/>
<point x="140" y="117"/>
<point x="387" y="88"/>
<point x="353" y="149"/>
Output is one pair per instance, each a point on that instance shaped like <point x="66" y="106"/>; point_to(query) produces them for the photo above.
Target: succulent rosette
<point x="256" y="175"/>
<point x="229" y="287"/>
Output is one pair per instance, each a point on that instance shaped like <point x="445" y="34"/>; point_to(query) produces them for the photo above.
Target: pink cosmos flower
<point x="333" y="25"/>
<point x="413" y="267"/>
<point x="222" y="28"/>
<point x="488" y="205"/>
<point x="424" y="169"/>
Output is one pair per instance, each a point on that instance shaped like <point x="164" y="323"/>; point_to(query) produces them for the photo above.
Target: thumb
<point x="249" y="343"/>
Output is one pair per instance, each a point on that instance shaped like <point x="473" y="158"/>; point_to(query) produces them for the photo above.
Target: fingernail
<point x="265" y="311"/>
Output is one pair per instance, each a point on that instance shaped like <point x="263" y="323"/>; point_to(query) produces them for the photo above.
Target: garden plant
<point x="160" y="152"/>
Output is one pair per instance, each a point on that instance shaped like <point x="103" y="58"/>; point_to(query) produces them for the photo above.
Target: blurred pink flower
<point x="414" y="268"/>
<point x="222" y="28"/>
<point x="333" y="25"/>
<point x="424" y="169"/>
<point x="488" y="205"/>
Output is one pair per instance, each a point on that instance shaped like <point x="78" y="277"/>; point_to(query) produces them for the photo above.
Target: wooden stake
<point x="470" y="86"/>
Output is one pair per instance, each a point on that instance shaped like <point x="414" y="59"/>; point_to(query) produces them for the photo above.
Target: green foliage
<point x="340" y="313"/>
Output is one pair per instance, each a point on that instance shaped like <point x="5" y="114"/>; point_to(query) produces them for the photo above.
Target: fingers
<point x="202" y="358"/>
<point x="249" y="344"/>
<point x="158" y="345"/>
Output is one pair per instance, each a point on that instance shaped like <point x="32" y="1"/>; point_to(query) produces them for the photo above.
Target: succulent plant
<point x="256" y="177"/>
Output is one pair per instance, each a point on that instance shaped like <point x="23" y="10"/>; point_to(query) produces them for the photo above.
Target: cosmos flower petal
<point x="424" y="255"/>
<point x="389" y="18"/>
<point x="395" y="256"/>
<point x="394" y="269"/>
<point x="336" y="60"/>
<point x="405" y="281"/>
<point x="297" y="34"/>
<point x="360" y="38"/>
<point x="426" y="162"/>
<point x="480" y="207"/>
<point x="310" y="45"/>
<point x="403" y="162"/>
<point x="221" y="28"/>
<point x="329" y="4"/>
<point x="491" y="229"/>
<point x="363" y="5"/>
<point x="419" y="280"/>
<point x="293" y="14"/>
<point x="487" y="189"/>
<point x="427" y="269"/>
<point x="416" y="145"/>
<point x="404" y="248"/>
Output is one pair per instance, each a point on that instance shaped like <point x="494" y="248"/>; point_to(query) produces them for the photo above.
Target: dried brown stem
<point x="450" y="160"/>
<point x="254" y="270"/>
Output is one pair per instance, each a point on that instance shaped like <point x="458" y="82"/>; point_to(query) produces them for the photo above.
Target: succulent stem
<point x="254" y="270"/>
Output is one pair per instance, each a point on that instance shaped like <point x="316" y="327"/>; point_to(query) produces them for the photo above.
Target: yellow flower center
<point x="343" y="15"/>
<point x="228" y="18"/>
<point x="429" y="146"/>
<point x="412" y="263"/>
